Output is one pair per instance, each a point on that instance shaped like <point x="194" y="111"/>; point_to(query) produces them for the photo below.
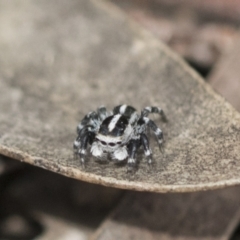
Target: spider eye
<point x="103" y="143"/>
<point x="119" y="142"/>
<point x="112" y="144"/>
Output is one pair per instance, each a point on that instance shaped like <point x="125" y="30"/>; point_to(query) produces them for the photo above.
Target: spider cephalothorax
<point x="118" y="134"/>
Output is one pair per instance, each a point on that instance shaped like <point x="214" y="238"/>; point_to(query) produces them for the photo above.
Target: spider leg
<point x="156" y="130"/>
<point x="133" y="146"/>
<point x="92" y="118"/>
<point x="147" y="150"/>
<point x="77" y="144"/>
<point x="80" y="145"/>
<point x="83" y="150"/>
<point x="102" y="113"/>
<point x="147" y="110"/>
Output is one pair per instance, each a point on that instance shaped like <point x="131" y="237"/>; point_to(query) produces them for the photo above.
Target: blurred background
<point x="199" y="31"/>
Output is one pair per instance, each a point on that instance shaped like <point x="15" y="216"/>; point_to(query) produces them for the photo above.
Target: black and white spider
<point x="117" y="134"/>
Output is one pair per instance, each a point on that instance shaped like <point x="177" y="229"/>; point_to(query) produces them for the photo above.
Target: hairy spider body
<point x="118" y="133"/>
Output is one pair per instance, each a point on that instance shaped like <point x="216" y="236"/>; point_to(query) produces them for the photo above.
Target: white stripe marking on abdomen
<point x="113" y="123"/>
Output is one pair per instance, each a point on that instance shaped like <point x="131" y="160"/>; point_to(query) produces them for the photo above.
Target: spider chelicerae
<point x="117" y="134"/>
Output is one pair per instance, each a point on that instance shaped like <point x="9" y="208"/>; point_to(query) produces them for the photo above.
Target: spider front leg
<point x="147" y="150"/>
<point x="80" y="145"/>
<point x="147" y="110"/>
<point x="156" y="130"/>
<point x="133" y="146"/>
<point x="83" y="150"/>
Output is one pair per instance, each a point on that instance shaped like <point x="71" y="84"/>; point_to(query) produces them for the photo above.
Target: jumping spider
<point x="117" y="134"/>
